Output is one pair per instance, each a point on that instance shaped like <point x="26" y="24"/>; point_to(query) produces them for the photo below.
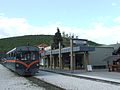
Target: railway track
<point x="39" y="82"/>
<point x="43" y="84"/>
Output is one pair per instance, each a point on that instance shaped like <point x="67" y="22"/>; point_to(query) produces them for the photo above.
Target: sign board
<point x="89" y="68"/>
<point x="79" y="41"/>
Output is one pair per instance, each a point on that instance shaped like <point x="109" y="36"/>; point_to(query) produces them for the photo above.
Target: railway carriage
<point x="23" y="59"/>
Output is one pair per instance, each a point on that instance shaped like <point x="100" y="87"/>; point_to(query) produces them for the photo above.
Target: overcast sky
<point x="96" y="20"/>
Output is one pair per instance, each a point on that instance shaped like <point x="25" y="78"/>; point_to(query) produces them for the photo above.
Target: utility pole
<point x="51" y="58"/>
<point x="71" y="55"/>
<point x="60" y="62"/>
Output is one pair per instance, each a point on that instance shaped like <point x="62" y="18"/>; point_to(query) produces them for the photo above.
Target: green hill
<point x="8" y="43"/>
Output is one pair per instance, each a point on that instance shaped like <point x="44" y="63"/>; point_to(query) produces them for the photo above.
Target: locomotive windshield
<point x="27" y="55"/>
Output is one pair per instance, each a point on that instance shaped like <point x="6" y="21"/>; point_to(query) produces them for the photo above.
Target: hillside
<point x="9" y="43"/>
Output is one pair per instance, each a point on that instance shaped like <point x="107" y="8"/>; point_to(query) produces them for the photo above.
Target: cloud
<point x="117" y="19"/>
<point x="99" y="33"/>
<point x="103" y="34"/>
<point x="1" y="14"/>
<point x="114" y="4"/>
<point x="20" y="26"/>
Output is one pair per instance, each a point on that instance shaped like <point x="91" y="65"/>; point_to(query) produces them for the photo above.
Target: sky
<point x="95" y="20"/>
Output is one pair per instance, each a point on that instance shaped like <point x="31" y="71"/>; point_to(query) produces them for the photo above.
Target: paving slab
<point x="98" y="74"/>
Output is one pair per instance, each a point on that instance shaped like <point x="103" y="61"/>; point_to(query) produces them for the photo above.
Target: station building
<point x="74" y="57"/>
<point x="77" y="57"/>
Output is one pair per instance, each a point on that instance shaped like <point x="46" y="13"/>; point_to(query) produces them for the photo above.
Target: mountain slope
<point x="9" y="43"/>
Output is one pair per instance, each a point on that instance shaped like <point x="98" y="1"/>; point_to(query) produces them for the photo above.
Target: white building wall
<point x="96" y="57"/>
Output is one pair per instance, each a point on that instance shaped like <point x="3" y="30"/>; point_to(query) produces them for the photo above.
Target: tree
<point x="56" y="39"/>
<point x="63" y="34"/>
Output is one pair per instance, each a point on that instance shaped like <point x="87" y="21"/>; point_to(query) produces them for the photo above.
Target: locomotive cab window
<point x="28" y="55"/>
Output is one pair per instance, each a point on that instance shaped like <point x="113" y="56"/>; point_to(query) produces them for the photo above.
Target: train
<point x="23" y="60"/>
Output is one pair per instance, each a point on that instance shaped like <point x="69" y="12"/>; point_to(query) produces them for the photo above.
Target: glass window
<point x="28" y="55"/>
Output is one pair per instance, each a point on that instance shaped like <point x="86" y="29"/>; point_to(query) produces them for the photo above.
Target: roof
<point x="68" y="49"/>
<point x="23" y="48"/>
<point x="43" y="45"/>
<point x="112" y="58"/>
<point x="115" y="46"/>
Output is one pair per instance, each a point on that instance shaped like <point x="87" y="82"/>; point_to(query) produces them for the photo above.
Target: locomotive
<point x="23" y="60"/>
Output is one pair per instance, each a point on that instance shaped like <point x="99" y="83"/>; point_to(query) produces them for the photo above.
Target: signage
<point x="89" y="68"/>
<point x="79" y="41"/>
